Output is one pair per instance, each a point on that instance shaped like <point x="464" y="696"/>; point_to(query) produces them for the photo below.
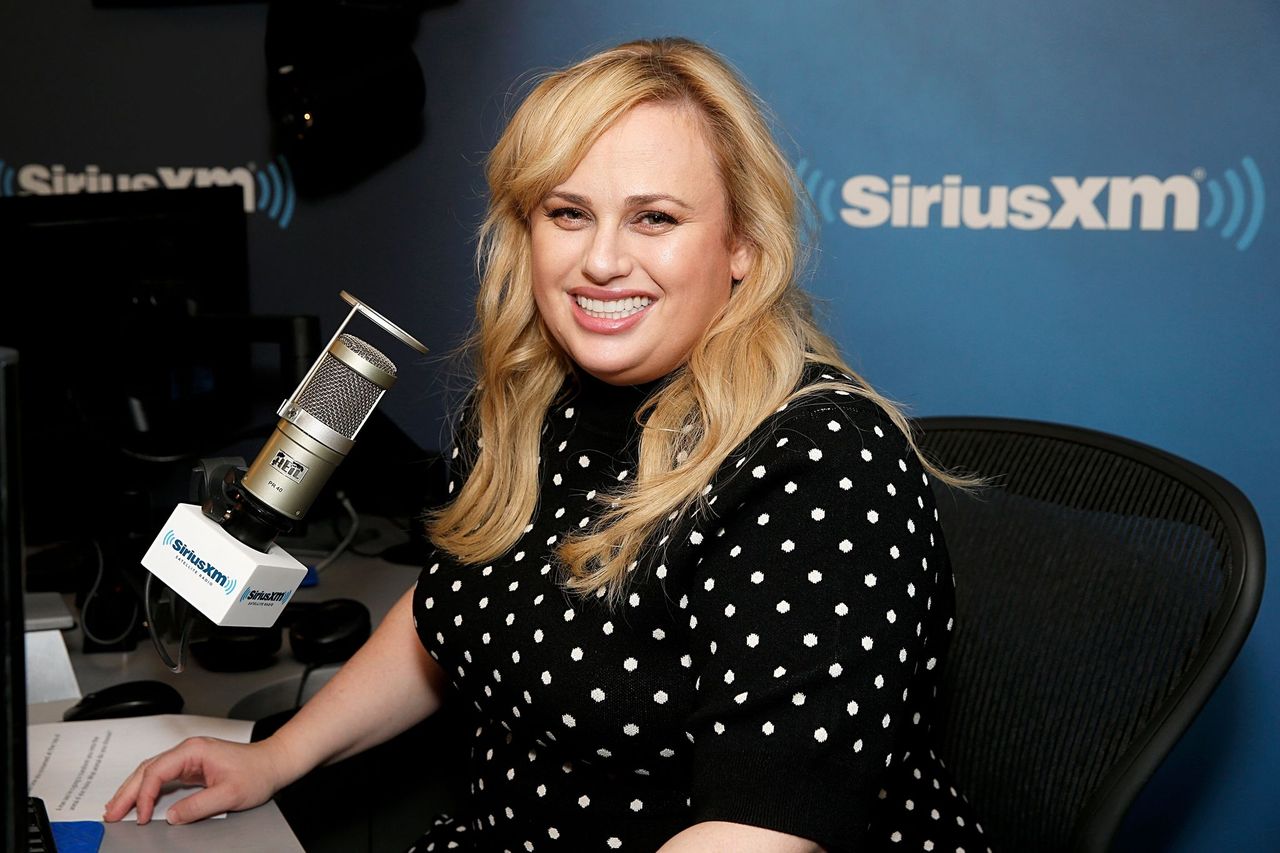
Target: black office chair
<point x="1103" y="588"/>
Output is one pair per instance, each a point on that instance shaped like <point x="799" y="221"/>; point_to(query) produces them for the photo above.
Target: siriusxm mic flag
<point x="226" y="580"/>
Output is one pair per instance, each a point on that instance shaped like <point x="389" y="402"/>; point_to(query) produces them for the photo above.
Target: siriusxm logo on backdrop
<point x="1112" y="203"/>
<point x="267" y="190"/>
<point x="192" y="559"/>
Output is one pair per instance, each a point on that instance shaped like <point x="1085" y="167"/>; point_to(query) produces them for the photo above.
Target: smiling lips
<point x="615" y="309"/>
<point x="610" y="315"/>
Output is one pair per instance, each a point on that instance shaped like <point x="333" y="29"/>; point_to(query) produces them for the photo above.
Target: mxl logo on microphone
<point x="290" y="467"/>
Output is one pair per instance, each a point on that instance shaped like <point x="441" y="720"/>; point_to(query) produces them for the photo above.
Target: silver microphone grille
<point x="339" y="397"/>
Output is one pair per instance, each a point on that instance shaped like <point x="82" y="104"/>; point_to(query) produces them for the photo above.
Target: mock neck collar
<point x="603" y="406"/>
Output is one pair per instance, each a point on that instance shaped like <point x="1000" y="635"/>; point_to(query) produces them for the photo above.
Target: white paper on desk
<point x="75" y="767"/>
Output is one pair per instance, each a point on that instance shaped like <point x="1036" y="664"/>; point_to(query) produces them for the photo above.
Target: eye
<point x="567" y="217"/>
<point x="656" y="220"/>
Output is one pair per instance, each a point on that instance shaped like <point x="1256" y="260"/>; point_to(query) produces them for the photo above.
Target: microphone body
<point x="222" y="557"/>
<point x="316" y="430"/>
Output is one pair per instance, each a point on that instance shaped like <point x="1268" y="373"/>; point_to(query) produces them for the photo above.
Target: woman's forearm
<point x="723" y="837"/>
<point x="390" y="684"/>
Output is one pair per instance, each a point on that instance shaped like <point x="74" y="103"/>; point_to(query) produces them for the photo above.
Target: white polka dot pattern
<point x="770" y="666"/>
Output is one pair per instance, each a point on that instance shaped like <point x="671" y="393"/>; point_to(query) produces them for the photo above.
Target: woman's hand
<point x="235" y="776"/>
<point x="390" y="684"/>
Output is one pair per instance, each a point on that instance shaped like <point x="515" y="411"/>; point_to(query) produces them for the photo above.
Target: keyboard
<point x="39" y="833"/>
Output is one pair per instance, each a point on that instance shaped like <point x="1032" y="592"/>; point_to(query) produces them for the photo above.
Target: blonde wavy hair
<point x="745" y="366"/>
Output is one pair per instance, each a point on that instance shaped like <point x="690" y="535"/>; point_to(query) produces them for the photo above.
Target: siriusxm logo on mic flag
<point x="267" y="190"/>
<point x="226" y="580"/>
<point x="265" y="596"/>
<point x="192" y="559"/>
<point x="1095" y="203"/>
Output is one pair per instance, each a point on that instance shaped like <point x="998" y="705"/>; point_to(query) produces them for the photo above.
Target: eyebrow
<point x="631" y="201"/>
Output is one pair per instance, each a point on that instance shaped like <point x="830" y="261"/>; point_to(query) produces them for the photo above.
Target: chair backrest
<point x="1103" y="588"/>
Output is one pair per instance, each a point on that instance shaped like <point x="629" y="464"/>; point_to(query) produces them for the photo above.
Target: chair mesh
<point x="1084" y="584"/>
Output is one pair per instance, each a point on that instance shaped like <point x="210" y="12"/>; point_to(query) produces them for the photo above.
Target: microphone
<point x="316" y="430"/>
<point x="222" y="557"/>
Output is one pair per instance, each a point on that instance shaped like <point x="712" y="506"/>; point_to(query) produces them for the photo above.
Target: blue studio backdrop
<point x="1051" y="211"/>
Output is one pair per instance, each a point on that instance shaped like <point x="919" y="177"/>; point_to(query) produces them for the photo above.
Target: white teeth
<point x="613" y="309"/>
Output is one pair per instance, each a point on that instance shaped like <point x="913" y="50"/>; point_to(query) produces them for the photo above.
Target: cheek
<point x="543" y="267"/>
<point x="553" y="255"/>
<point x="669" y="256"/>
<point x="550" y="306"/>
<point x="714" y="284"/>
<point x="715" y="298"/>
<point x="699" y="269"/>
<point x="701" y="301"/>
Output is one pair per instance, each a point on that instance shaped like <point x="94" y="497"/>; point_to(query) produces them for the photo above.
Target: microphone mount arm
<point x="216" y="488"/>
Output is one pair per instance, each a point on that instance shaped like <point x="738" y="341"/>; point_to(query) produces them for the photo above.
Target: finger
<point x="202" y="804"/>
<point x="164" y="768"/>
<point x="125" y="796"/>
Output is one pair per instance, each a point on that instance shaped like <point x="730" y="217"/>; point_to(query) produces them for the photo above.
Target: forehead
<point x="652" y="148"/>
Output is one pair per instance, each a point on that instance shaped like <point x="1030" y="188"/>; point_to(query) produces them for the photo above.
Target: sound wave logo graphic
<point x="820" y="189"/>
<point x="268" y="190"/>
<point x="6" y="179"/>
<point x="275" y="192"/>
<point x="1254" y="200"/>
<point x="168" y="537"/>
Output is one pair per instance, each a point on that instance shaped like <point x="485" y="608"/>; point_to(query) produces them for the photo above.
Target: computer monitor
<point x="132" y="315"/>
<point x="13" y="713"/>
<point x="129" y="319"/>
<point x="140" y="357"/>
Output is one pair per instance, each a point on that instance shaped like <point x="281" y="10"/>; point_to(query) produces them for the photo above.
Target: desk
<point x="260" y="830"/>
<point x="252" y="695"/>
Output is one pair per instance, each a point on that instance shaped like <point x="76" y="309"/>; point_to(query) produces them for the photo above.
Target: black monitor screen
<point x="126" y="308"/>
<point x="13" y="714"/>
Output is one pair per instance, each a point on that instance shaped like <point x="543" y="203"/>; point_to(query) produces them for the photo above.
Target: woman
<point x="699" y="600"/>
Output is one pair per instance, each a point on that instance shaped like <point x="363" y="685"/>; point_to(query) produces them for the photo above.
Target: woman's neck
<point x="605" y="406"/>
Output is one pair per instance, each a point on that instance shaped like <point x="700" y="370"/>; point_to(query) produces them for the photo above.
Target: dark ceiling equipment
<point x="344" y="87"/>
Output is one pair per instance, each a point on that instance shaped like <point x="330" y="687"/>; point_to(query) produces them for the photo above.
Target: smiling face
<point x="631" y="254"/>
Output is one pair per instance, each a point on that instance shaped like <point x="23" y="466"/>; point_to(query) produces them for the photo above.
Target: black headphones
<point x="319" y="633"/>
<point x="330" y="631"/>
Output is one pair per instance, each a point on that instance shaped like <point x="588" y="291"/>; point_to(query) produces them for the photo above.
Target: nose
<point x="606" y="257"/>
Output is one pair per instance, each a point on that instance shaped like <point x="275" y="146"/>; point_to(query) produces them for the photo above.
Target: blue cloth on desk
<point x="77" y="836"/>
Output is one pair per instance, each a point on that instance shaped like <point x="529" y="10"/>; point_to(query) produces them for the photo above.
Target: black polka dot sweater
<point x="774" y="662"/>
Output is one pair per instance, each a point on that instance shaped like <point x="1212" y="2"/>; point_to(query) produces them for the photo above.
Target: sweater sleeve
<point x="809" y="621"/>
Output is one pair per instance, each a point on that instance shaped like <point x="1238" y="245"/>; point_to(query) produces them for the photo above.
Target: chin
<point x="616" y="374"/>
<point x="608" y="367"/>
<point x="606" y="374"/>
